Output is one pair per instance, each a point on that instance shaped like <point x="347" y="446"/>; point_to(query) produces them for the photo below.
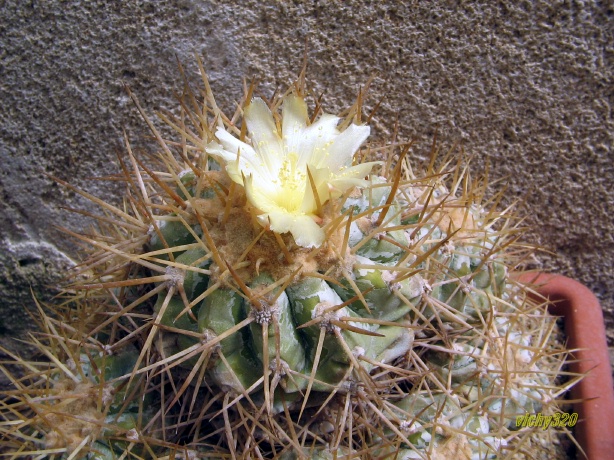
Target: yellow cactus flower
<point x="274" y="167"/>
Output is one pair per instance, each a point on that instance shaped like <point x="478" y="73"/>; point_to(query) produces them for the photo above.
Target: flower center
<point x="290" y="184"/>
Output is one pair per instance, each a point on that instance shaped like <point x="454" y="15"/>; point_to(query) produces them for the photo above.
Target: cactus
<point x="287" y="299"/>
<point x="73" y="403"/>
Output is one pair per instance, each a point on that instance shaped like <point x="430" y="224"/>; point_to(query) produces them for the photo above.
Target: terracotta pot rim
<point x="585" y="330"/>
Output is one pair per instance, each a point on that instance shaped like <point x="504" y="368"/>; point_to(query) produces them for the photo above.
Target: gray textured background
<point x="525" y="85"/>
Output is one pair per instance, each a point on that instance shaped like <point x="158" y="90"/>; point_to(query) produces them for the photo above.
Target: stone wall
<point x="525" y="86"/>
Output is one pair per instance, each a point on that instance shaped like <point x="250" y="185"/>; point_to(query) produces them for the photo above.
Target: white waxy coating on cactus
<point x="355" y="234"/>
<point x="275" y="166"/>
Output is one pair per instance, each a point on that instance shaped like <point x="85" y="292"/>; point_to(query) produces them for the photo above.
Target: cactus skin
<point x="402" y="336"/>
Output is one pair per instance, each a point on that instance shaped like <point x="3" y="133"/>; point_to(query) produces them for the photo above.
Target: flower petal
<point x="230" y="145"/>
<point x="264" y="136"/>
<point x="306" y="232"/>
<point x="320" y="177"/>
<point x="345" y="146"/>
<point x="315" y="141"/>
<point x="306" y="141"/>
<point x="259" y="196"/>
<point x="294" y="122"/>
<point x="232" y="148"/>
<point x="352" y="177"/>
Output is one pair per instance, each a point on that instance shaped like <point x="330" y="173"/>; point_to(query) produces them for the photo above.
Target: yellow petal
<point x="321" y="178"/>
<point x="306" y="232"/>
<point x="264" y="136"/>
<point x="294" y="120"/>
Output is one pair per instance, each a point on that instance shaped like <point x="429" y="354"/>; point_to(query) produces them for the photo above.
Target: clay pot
<point x="585" y="331"/>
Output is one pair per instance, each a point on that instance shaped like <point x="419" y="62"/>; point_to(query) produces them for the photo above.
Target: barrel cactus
<point x="292" y="292"/>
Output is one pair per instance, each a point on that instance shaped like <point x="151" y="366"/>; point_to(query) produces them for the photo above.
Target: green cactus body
<point x="276" y="320"/>
<point x="293" y="349"/>
<point x="222" y="310"/>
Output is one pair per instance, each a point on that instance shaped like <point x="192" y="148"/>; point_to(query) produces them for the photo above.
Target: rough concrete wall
<point x="526" y="85"/>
